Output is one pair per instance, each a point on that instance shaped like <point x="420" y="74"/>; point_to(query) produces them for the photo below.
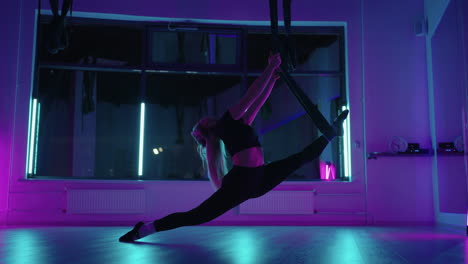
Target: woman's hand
<point x="276" y="75"/>
<point x="274" y="60"/>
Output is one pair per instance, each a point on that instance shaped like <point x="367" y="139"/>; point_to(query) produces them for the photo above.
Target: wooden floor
<point x="234" y="244"/>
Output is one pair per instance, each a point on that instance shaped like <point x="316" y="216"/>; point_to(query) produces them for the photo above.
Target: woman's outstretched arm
<point x="251" y="113"/>
<point x="256" y="88"/>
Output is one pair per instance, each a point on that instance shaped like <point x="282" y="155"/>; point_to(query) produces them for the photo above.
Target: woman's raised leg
<point x="278" y="171"/>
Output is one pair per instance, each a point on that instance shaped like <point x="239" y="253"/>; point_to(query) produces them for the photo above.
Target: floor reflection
<point x="235" y="245"/>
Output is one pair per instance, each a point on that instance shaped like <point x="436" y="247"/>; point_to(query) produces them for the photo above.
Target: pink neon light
<point x="327" y="171"/>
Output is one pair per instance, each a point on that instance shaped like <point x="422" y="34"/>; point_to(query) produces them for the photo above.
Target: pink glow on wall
<point x="4" y="162"/>
<point x="9" y="26"/>
<point x="466" y="250"/>
<point x="327" y="171"/>
<point x="50" y="196"/>
<point x="465" y="157"/>
<point x="391" y="77"/>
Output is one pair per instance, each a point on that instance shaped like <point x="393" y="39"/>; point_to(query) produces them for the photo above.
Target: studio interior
<point x="254" y="132"/>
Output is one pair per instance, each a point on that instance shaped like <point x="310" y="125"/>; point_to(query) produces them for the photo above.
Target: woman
<point x="249" y="177"/>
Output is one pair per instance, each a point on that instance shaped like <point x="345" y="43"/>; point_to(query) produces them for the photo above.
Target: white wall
<point x="400" y="189"/>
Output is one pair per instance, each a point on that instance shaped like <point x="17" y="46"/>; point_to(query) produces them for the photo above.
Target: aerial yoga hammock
<point x="289" y="63"/>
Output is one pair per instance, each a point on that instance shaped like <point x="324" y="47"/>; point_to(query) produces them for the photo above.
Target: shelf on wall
<point x="445" y="153"/>
<point x="375" y="155"/>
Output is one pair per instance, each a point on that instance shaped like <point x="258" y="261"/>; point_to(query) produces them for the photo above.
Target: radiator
<point x="87" y="201"/>
<point x="281" y="203"/>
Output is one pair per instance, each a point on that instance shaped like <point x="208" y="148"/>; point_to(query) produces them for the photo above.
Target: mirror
<point x="449" y="101"/>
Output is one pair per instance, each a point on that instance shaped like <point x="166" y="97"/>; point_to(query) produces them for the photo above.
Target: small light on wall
<point x="161" y="149"/>
<point x="155" y="151"/>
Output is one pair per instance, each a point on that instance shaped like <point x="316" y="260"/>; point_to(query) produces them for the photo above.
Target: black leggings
<point x="241" y="184"/>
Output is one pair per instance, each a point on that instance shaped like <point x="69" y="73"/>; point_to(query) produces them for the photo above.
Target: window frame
<point x="219" y="68"/>
<point x="147" y="66"/>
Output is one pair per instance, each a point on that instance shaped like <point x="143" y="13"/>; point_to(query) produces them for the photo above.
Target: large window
<point x="120" y="101"/>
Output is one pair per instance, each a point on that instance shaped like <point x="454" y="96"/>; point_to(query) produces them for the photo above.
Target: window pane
<point x="88" y="124"/>
<point x="96" y="44"/>
<point x="194" y="48"/>
<point x="287" y="129"/>
<point x="313" y="52"/>
<point x="174" y="104"/>
<point x="117" y="125"/>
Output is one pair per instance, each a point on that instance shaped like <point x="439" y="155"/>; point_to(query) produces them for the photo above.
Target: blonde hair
<point x="219" y="158"/>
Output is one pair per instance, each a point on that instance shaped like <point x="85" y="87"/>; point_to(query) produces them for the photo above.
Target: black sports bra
<point x="235" y="134"/>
